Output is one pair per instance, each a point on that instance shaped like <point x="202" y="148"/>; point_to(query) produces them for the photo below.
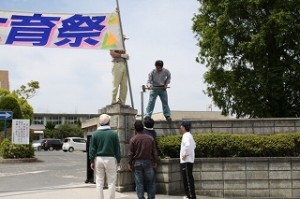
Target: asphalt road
<point x="53" y="168"/>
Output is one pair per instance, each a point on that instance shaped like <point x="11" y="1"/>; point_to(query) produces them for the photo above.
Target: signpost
<point x="20" y="131"/>
<point x="5" y="115"/>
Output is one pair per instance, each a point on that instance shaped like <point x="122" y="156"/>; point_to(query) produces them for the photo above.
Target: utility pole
<point x="126" y="63"/>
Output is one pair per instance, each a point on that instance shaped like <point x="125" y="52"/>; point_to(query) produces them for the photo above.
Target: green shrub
<point x="169" y="146"/>
<point x="234" y="145"/>
<point x="10" y="151"/>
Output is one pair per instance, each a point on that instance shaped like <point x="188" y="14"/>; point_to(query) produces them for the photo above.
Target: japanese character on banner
<point x="97" y="31"/>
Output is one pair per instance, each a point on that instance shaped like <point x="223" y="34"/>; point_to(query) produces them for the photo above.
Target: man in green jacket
<point x="105" y="156"/>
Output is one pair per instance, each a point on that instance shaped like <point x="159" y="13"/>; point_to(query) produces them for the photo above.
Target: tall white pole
<point x="126" y="63"/>
<point x="142" y="105"/>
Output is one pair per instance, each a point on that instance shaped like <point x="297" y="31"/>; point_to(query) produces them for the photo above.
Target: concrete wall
<point x="242" y="126"/>
<point x="220" y="177"/>
<point x="234" y="177"/>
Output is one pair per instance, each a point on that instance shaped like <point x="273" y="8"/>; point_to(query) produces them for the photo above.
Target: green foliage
<point x="50" y="125"/>
<point x="252" y="52"/>
<point x="27" y="92"/>
<point x="169" y="146"/>
<point x="8" y="103"/>
<point x="50" y="133"/>
<point x="64" y="130"/>
<point x="210" y="145"/>
<point x="11" y="151"/>
<point x="4" y="92"/>
<point x="26" y="110"/>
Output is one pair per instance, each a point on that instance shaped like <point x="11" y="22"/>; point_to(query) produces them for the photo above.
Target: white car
<point x="37" y="144"/>
<point x="74" y="143"/>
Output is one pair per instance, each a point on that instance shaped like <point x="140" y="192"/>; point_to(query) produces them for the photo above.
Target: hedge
<point x="11" y="151"/>
<point x="210" y="145"/>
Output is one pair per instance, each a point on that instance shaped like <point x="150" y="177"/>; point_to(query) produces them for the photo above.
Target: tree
<point x="50" y="125"/>
<point x="69" y="130"/>
<point x="50" y="131"/>
<point x="64" y="130"/>
<point x="252" y="51"/>
<point x="29" y="91"/>
<point x="8" y="103"/>
<point x="21" y="95"/>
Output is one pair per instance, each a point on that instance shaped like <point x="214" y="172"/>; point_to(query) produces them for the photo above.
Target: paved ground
<point x="78" y="189"/>
<point x="78" y="192"/>
<point x="83" y="191"/>
<point x="53" y="177"/>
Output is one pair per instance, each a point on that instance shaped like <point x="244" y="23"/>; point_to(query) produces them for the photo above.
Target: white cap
<point x="104" y="119"/>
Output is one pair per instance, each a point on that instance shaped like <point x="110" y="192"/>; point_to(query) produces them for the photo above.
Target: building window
<point x="55" y="120"/>
<point x="38" y="120"/>
<point x="72" y="119"/>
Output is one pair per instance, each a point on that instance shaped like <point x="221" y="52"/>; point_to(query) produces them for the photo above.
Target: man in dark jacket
<point x="148" y="129"/>
<point x="142" y="159"/>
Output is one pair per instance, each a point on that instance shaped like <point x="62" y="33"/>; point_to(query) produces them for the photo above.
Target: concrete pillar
<point x="122" y="120"/>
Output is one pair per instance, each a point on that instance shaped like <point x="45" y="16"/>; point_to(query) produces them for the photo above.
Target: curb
<point x="19" y="160"/>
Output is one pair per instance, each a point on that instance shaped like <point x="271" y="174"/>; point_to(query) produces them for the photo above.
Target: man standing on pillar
<point x="158" y="81"/>
<point x="119" y="74"/>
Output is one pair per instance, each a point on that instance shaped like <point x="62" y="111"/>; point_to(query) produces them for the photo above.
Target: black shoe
<point x="168" y="118"/>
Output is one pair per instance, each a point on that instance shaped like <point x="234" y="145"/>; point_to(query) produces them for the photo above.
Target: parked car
<point x="74" y="143"/>
<point x="37" y="144"/>
<point x="51" y="144"/>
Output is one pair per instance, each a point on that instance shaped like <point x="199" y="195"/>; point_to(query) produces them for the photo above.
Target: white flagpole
<point x="126" y="63"/>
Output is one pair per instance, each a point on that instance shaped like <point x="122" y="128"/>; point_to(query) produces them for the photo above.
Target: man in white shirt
<point x="187" y="157"/>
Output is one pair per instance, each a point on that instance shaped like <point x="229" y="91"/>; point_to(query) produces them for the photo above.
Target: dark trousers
<point x="188" y="179"/>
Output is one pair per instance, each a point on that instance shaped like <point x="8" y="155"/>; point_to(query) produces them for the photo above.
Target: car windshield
<point x="67" y="140"/>
<point x="79" y="140"/>
<point x="37" y="141"/>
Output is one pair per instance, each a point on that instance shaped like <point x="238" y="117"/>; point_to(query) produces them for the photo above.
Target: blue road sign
<point x="6" y="115"/>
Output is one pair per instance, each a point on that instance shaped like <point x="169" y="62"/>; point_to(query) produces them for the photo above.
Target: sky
<point x="80" y="80"/>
